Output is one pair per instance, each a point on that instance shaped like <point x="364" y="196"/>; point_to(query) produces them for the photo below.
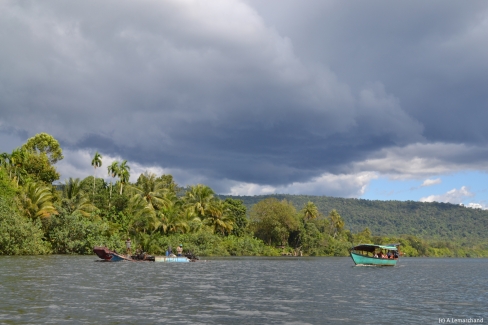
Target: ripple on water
<point x="75" y="289"/>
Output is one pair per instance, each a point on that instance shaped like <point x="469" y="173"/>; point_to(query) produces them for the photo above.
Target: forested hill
<point x="428" y="220"/>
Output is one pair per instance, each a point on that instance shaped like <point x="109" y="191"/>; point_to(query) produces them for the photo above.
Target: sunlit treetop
<point x="47" y="144"/>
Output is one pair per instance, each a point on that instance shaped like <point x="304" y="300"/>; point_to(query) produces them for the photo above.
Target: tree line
<point x="37" y="217"/>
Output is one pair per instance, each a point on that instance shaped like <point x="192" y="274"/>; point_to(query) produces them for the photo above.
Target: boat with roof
<point x="377" y="255"/>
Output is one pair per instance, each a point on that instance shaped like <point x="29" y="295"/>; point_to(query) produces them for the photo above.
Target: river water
<point x="78" y="290"/>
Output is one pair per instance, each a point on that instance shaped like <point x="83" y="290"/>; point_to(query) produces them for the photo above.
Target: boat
<point x="378" y="255"/>
<point x="108" y="255"/>
<point x="112" y="256"/>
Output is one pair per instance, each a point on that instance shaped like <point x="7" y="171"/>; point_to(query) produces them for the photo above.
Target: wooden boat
<point x="111" y="256"/>
<point x="369" y="254"/>
<point x="108" y="255"/>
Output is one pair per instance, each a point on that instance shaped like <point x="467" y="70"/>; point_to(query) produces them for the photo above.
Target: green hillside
<point x="387" y="218"/>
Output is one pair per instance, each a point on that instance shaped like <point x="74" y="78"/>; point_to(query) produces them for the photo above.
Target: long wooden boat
<point x="108" y="255"/>
<point x="112" y="256"/>
<point x="378" y="255"/>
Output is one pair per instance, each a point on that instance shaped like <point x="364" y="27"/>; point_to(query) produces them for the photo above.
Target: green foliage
<point x="237" y="210"/>
<point x="273" y="220"/>
<point x="74" y="234"/>
<point x="40" y="168"/>
<point x="46" y="144"/>
<point x="19" y="235"/>
<point x="430" y="220"/>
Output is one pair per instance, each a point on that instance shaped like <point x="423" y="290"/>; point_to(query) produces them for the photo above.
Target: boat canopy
<point x="372" y="248"/>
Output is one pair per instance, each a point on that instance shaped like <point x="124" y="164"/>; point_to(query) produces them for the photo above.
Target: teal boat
<point x="379" y="255"/>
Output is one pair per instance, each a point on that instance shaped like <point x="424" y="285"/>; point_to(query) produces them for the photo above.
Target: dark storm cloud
<point x="430" y="54"/>
<point x="242" y="93"/>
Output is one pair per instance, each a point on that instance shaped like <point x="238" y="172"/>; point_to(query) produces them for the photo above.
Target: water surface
<point x="78" y="290"/>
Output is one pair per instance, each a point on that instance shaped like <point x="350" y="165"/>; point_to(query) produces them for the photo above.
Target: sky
<point x="381" y="100"/>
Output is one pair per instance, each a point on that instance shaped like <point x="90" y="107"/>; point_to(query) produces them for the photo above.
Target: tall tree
<point x="113" y="170"/>
<point x="96" y="162"/>
<point x="336" y="223"/>
<point x="310" y="211"/>
<point x="273" y="220"/>
<point x="237" y="210"/>
<point x="17" y="161"/>
<point x="151" y="190"/>
<point x="74" y="198"/>
<point x="45" y="143"/>
<point x="219" y="218"/>
<point x="199" y="198"/>
<point x="123" y="174"/>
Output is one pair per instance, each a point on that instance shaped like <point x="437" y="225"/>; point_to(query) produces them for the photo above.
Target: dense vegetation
<point x="439" y="221"/>
<point x="39" y="218"/>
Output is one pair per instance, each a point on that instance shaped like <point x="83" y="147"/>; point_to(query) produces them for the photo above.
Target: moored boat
<point x="379" y="255"/>
<point x="108" y="255"/>
<point x="112" y="256"/>
<point x="171" y="259"/>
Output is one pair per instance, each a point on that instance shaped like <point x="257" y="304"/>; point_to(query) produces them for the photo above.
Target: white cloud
<point x="476" y="206"/>
<point x="327" y="184"/>
<point x="420" y="160"/>
<point x="454" y="196"/>
<point x="430" y="182"/>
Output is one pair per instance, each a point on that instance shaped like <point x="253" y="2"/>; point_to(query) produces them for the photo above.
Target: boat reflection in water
<point x="380" y="255"/>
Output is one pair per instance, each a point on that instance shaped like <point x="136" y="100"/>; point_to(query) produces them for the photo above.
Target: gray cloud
<point x="231" y="92"/>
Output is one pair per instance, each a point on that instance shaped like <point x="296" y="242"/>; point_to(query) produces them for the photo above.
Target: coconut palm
<point x="310" y="211"/>
<point x="219" y="218"/>
<point x="171" y="216"/>
<point x="336" y="222"/>
<point x="74" y="198"/>
<point x="17" y="160"/>
<point x="113" y="171"/>
<point x="151" y="189"/>
<point x="199" y="197"/>
<point x="36" y="201"/>
<point x="123" y="174"/>
<point x="4" y="160"/>
<point x="96" y="162"/>
<point x="189" y="217"/>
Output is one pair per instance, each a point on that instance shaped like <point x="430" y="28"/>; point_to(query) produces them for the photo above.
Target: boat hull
<point x="167" y="259"/>
<point x="110" y="256"/>
<point x="368" y="260"/>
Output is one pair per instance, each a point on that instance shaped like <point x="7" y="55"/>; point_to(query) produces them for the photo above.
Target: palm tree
<point x="310" y="211"/>
<point x="17" y="160"/>
<point x="199" y="197"/>
<point x="36" y="201"/>
<point x="96" y="162"/>
<point x="172" y="217"/>
<point x="336" y="222"/>
<point x="218" y="217"/>
<point x="123" y="174"/>
<point x="113" y="171"/>
<point x="4" y="159"/>
<point x="75" y="199"/>
<point x="149" y="197"/>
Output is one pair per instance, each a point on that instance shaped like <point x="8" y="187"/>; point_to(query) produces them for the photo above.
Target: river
<point x="78" y="290"/>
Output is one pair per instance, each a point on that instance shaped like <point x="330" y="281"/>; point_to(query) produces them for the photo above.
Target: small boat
<point x="108" y="255"/>
<point x="112" y="256"/>
<point x="172" y="259"/>
<point x="379" y="255"/>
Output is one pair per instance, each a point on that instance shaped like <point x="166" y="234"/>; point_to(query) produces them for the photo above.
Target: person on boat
<point x="375" y="254"/>
<point x="395" y="255"/>
<point x="388" y="254"/>
<point x="169" y="251"/>
<point x="127" y="245"/>
<point x="179" y="250"/>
